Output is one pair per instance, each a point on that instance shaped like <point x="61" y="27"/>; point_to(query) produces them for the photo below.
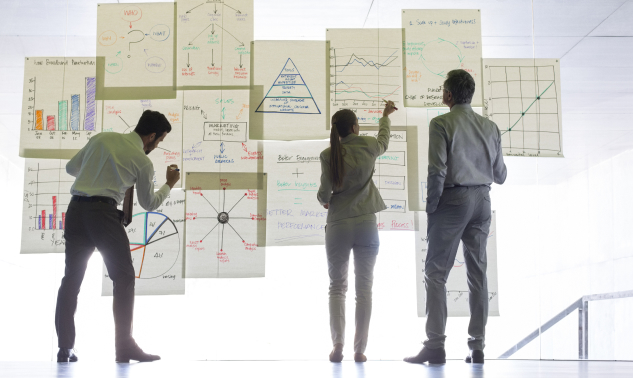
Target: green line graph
<point x="528" y="108"/>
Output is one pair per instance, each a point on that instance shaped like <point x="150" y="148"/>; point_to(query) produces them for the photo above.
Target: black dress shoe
<point x="66" y="355"/>
<point x="134" y="353"/>
<point x="475" y="357"/>
<point x="432" y="356"/>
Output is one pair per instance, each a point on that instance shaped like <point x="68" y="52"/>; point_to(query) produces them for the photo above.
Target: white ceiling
<point x="594" y="40"/>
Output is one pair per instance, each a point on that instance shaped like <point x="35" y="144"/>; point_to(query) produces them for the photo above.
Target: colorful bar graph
<point x="54" y="215"/>
<point x="39" y="120"/>
<point x="51" y="224"/>
<point x="39" y="222"/>
<point x="62" y="115"/>
<point x="91" y="105"/>
<point x="63" y="222"/>
<point x="74" y="112"/>
<point x="50" y="123"/>
<point x="43" y="220"/>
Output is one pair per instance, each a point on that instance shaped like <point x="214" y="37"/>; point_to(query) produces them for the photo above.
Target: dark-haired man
<point x="105" y="169"/>
<point x="465" y="158"/>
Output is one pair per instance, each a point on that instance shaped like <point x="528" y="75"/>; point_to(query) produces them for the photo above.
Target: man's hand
<point x="390" y="107"/>
<point x="326" y="206"/>
<point x="173" y="175"/>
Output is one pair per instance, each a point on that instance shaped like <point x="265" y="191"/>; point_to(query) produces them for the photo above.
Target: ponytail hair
<point x="343" y="122"/>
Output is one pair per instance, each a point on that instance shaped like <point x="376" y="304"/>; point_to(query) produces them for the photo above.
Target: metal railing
<point x="582" y="305"/>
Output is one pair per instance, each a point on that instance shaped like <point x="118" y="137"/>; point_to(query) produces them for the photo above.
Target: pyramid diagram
<point x="289" y="94"/>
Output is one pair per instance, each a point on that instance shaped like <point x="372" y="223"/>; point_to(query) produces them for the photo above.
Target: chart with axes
<point x="214" y="41"/>
<point x="226" y="225"/>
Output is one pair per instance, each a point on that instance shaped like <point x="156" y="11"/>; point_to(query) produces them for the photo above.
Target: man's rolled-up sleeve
<point x="147" y="198"/>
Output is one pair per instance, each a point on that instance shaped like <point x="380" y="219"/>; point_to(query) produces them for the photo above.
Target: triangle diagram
<point x="289" y="94"/>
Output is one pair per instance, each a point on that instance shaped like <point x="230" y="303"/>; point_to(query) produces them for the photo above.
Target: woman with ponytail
<point x="348" y="192"/>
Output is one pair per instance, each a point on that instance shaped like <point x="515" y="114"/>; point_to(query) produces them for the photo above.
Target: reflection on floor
<point x="309" y="369"/>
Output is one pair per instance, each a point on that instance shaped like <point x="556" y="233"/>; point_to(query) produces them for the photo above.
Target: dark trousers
<point x="463" y="214"/>
<point x="91" y="225"/>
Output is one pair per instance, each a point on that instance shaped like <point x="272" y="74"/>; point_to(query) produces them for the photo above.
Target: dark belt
<point x="108" y="200"/>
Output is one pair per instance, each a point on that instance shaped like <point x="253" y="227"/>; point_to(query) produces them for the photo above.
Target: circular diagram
<point x="450" y="57"/>
<point x="154" y="243"/>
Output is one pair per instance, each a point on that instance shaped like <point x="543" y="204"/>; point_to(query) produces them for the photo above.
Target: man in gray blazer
<point x="465" y="158"/>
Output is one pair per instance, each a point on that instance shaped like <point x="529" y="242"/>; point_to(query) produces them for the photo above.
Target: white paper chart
<point x="45" y="201"/>
<point x="156" y="243"/>
<point x="59" y="109"/>
<point x="295" y="216"/>
<point x="365" y="70"/>
<point x="137" y="42"/>
<point x="214" y="42"/>
<point x="391" y="179"/>
<point x="289" y="98"/>
<point x="522" y="96"/>
<point x="226" y="228"/>
<point x="436" y="42"/>
<point x="122" y="116"/>
<point x="457" y="285"/>
<point x="215" y="137"/>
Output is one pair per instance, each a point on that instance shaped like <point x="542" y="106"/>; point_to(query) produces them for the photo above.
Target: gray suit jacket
<point x="358" y="194"/>
<point x="464" y="150"/>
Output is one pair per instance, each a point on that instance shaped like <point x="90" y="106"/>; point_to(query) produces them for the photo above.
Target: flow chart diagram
<point x="137" y="43"/>
<point x="121" y="116"/>
<point x="214" y="39"/>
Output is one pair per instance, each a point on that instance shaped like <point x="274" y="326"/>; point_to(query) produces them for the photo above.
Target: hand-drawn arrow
<point x="145" y="50"/>
<point x="237" y="11"/>
<point x="240" y="60"/>
<point x="216" y="8"/>
<point x="189" y="11"/>
<point x="203" y="114"/>
<point x="212" y="65"/>
<point x="244" y="147"/>
<point x="223" y="113"/>
<point x="187" y="59"/>
<point x="194" y="38"/>
<point x="241" y="43"/>
<point x="222" y="147"/>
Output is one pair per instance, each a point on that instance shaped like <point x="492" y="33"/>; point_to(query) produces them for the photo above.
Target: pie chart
<point x="154" y="243"/>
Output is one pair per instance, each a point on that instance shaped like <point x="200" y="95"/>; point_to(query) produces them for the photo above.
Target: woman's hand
<point x="390" y="107"/>
<point x="326" y="206"/>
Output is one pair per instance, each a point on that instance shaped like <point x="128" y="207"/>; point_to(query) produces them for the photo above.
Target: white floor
<point x="308" y="369"/>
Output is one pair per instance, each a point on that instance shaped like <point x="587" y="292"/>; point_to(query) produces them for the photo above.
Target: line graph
<point x="522" y="96"/>
<point x="365" y="69"/>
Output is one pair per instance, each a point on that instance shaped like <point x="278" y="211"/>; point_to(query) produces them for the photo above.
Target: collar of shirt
<point x="461" y="108"/>
<point x="135" y="138"/>
<point x="348" y="138"/>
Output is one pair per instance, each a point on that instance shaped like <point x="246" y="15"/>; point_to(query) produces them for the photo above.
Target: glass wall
<point x="563" y="224"/>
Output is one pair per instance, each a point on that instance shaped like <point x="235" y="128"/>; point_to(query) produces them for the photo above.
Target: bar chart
<point x="60" y="111"/>
<point x="60" y="121"/>
<point x="46" y="198"/>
